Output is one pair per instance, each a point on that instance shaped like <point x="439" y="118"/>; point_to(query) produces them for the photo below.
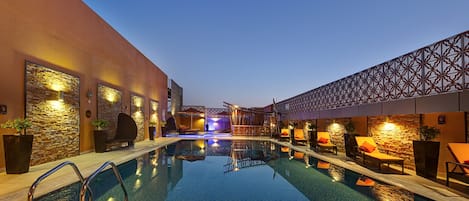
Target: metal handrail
<point x="84" y="187"/>
<point x="52" y="171"/>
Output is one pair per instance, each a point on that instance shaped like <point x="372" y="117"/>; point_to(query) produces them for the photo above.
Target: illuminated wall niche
<point x="138" y="114"/>
<point x="154" y="118"/>
<point x="394" y="135"/>
<point x="109" y="106"/>
<point x="52" y="105"/>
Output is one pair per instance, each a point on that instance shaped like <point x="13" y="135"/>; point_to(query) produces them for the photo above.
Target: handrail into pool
<point x="52" y="171"/>
<point x="85" y="187"/>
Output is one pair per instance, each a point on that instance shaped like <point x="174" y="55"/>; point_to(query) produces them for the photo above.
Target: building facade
<point x="62" y="66"/>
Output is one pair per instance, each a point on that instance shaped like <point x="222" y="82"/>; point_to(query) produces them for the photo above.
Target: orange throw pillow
<point x="466" y="162"/>
<point x="367" y="147"/>
<point x="322" y="140"/>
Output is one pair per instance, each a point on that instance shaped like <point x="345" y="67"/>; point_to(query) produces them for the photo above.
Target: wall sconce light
<point x="60" y="96"/>
<point x="387" y="125"/>
<point x="56" y="96"/>
<point x="89" y="94"/>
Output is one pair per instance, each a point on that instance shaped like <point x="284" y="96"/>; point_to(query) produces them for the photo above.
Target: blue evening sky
<point x="247" y="52"/>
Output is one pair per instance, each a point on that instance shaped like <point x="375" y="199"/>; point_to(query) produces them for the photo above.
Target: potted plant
<point x="100" y="124"/>
<point x="426" y="152"/>
<point x="349" y="127"/>
<point x="100" y="134"/>
<point x="152" y="129"/>
<point x="291" y="127"/>
<point x="18" y="147"/>
<point x="313" y="135"/>
<point x="349" y="139"/>
<point x="163" y="128"/>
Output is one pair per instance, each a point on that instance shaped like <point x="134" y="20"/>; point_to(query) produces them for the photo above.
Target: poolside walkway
<point x="15" y="187"/>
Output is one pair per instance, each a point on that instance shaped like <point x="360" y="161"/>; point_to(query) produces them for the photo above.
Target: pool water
<point x="234" y="170"/>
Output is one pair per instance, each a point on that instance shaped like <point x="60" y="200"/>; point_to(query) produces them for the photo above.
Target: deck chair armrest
<point x="456" y="164"/>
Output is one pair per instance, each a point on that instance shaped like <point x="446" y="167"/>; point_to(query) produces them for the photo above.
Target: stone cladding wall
<point x="109" y="106"/>
<point x="138" y="114"/>
<point x="336" y="131"/>
<point x="55" y="123"/>
<point x="397" y="139"/>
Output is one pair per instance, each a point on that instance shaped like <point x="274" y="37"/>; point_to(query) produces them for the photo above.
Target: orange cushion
<point x="466" y="162"/>
<point x="367" y="147"/>
<point x="284" y="133"/>
<point x="323" y="140"/>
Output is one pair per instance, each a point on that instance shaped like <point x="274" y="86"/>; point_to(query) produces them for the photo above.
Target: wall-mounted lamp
<point x="56" y="96"/>
<point x="60" y="96"/>
<point x="89" y="94"/>
<point x="388" y="126"/>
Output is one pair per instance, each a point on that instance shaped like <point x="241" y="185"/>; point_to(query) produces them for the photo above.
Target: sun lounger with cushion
<point x="285" y="134"/>
<point x="460" y="168"/>
<point x="324" y="142"/>
<point x="299" y="135"/>
<point x="369" y="151"/>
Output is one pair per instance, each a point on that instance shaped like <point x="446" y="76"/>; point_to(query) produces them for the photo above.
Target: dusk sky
<point x="248" y="52"/>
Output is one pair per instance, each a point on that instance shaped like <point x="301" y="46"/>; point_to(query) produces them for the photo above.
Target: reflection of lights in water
<point x="337" y="173"/>
<point x="215" y="140"/>
<point x="111" y="199"/>
<point x="154" y="172"/>
<point x="138" y="172"/>
<point x="215" y="144"/>
<point x="154" y="162"/>
<point x="272" y="146"/>
<point x="138" y="184"/>
<point x="236" y="169"/>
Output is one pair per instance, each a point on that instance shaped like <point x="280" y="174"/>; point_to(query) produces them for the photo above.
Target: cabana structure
<point x="246" y="121"/>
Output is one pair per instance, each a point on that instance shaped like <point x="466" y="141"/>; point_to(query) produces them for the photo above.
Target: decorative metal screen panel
<point x="439" y="68"/>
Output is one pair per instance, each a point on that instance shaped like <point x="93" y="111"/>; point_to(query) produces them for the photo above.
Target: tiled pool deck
<point x="15" y="187"/>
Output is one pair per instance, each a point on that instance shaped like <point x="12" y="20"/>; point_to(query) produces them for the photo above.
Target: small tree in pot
<point x="426" y="152"/>
<point x="152" y="129"/>
<point x="18" y="147"/>
<point x="100" y="135"/>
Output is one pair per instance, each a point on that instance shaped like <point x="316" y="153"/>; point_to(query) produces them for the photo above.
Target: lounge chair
<point x="126" y="131"/>
<point x="460" y="170"/>
<point x="324" y="142"/>
<point x="299" y="135"/>
<point x="369" y="151"/>
<point x="285" y="134"/>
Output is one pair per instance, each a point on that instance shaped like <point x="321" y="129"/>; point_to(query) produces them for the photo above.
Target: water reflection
<point x="239" y="170"/>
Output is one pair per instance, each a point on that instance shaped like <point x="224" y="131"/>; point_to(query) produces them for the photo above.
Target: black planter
<point x="151" y="132"/>
<point x="292" y="137"/>
<point x="163" y="131"/>
<point x="313" y="139"/>
<point x="100" y="137"/>
<point x="351" y="147"/>
<point x="426" y="155"/>
<point x="18" y="149"/>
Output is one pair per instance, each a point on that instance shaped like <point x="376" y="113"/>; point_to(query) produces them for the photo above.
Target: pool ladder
<point x="85" y="182"/>
<point x="85" y="187"/>
<point x="52" y="171"/>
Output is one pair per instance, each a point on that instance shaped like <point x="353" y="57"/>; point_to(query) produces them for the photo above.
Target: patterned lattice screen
<point x="435" y="69"/>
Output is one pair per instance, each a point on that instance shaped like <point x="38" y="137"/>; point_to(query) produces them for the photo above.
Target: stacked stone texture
<point x="109" y="110"/>
<point x="138" y="115"/>
<point x="398" y="141"/>
<point x="55" y="125"/>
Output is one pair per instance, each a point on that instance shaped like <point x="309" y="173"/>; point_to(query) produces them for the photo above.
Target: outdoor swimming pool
<point x="234" y="170"/>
